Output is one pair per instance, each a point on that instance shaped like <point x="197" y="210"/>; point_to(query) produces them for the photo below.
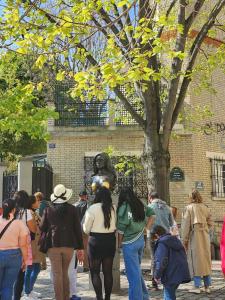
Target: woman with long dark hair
<point x="100" y="224"/>
<point x="132" y="218"/>
<point x="62" y="228"/>
<point x="13" y="248"/>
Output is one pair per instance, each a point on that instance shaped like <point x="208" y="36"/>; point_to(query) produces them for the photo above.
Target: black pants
<point x="18" y="287"/>
<point x="152" y="245"/>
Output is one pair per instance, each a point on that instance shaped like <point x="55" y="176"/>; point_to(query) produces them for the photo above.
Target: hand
<point x="80" y="256"/>
<point x="23" y="266"/>
<point x="186" y="246"/>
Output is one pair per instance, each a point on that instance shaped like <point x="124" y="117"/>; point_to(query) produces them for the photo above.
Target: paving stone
<point x="44" y="286"/>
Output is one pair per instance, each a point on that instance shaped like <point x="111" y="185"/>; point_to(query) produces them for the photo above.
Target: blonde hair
<point x="39" y="195"/>
<point x="195" y="196"/>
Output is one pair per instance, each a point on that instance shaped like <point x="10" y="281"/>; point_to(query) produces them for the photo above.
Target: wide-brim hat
<point x="61" y="194"/>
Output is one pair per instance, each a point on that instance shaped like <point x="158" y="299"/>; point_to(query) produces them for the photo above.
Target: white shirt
<point x="94" y="220"/>
<point x="25" y="216"/>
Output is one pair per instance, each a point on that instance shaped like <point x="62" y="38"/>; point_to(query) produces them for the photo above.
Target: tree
<point x="23" y="109"/>
<point x="147" y="50"/>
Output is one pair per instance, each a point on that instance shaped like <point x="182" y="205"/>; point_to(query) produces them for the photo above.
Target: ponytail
<point x="7" y="206"/>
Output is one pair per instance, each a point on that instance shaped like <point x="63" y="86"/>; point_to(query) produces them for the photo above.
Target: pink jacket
<point x="222" y="248"/>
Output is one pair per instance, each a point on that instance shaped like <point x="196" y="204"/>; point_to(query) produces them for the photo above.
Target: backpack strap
<point x="5" y="228"/>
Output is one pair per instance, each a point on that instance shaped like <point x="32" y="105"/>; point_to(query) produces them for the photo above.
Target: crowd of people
<point x="32" y="228"/>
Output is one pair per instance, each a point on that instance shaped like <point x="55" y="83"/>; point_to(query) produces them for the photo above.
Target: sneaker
<point x="28" y="297"/>
<point x="35" y="294"/>
<point x="74" y="297"/>
<point x="195" y="290"/>
<point x="207" y="290"/>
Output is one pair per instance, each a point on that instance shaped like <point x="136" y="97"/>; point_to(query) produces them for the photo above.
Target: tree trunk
<point x="156" y="161"/>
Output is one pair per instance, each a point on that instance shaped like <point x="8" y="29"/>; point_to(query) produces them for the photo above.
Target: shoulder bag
<point x="5" y="228"/>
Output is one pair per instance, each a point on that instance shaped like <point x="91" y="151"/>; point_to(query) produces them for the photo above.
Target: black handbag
<point x="45" y="242"/>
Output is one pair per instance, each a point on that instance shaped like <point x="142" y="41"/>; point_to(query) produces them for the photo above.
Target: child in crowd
<point x="171" y="266"/>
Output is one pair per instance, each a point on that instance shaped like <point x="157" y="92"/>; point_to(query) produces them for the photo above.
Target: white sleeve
<point x="29" y="215"/>
<point x="88" y="222"/>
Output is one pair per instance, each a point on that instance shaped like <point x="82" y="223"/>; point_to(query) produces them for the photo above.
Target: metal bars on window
<point x="218" y="177"/>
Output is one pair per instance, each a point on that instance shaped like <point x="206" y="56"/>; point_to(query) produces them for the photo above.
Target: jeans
<point x="30" y="277"/>
<point x="132" y="254"/>
<point x="198" y="281"/>
<point x="170" y="291"/>
<point x="10" y="264"/>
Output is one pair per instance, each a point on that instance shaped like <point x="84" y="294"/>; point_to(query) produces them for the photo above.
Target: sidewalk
<point x="44" y="286"/>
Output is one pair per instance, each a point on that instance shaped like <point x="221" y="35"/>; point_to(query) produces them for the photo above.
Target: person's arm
<point x="120" y="239"/>
<point x="186" y="228"/>
<point x="161" y="260"/>
<point x="44" y="221"/>
<point x="23" y="245"/>
<point x="88" y="221"/>
<point x="151" y="217"/>
<point x="150" y="222"/>
<point x="31" y="224"/>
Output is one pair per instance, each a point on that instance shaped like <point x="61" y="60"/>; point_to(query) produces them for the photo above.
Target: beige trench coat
<point x="195" y="233"/>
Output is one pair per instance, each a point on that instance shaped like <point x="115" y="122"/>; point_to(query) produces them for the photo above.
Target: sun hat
<point x="61" y="194"/>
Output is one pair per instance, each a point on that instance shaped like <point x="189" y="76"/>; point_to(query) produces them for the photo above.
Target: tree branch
<point x="128" y="106"/>
<point x="172" y="4"/>
<point x="175" y="69"/>
<point x="193" y="55"/>
<point x="124" y="41"/>
<point x="197" y="7"/>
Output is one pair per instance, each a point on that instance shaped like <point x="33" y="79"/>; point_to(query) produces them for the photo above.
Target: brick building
<point x="200" y="155"/>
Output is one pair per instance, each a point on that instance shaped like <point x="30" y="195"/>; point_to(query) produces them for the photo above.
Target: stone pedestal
<point x="25" y="174"/>
<point x="2" y="170"/>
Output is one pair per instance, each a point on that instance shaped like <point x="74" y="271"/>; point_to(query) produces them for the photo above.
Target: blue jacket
<point x="170" y="261"/>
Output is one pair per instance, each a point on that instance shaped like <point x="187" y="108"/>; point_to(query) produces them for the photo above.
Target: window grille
<point x="218" y="177"/>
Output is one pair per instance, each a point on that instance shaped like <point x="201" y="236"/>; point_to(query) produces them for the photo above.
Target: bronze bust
<point x="104" y="173"/>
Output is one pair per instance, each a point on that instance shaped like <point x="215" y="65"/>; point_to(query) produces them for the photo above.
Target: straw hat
<point x="61" y="194"/>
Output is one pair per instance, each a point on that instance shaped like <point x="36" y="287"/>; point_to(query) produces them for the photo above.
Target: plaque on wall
<point x="176" y="174"/>
<point x="199" y="185"/>
<point x="52" y="146"/>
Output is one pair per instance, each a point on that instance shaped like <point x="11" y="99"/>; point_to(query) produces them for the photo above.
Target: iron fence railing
<point x="10" y="184"/>
<point x="77" y="113"/>
<point x="218" y="177"/>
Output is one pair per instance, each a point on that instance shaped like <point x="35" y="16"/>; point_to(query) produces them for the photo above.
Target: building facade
<point x="197" y="158"/>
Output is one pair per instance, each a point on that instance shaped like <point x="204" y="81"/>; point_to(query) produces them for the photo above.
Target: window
<point x="218" y="177"/>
